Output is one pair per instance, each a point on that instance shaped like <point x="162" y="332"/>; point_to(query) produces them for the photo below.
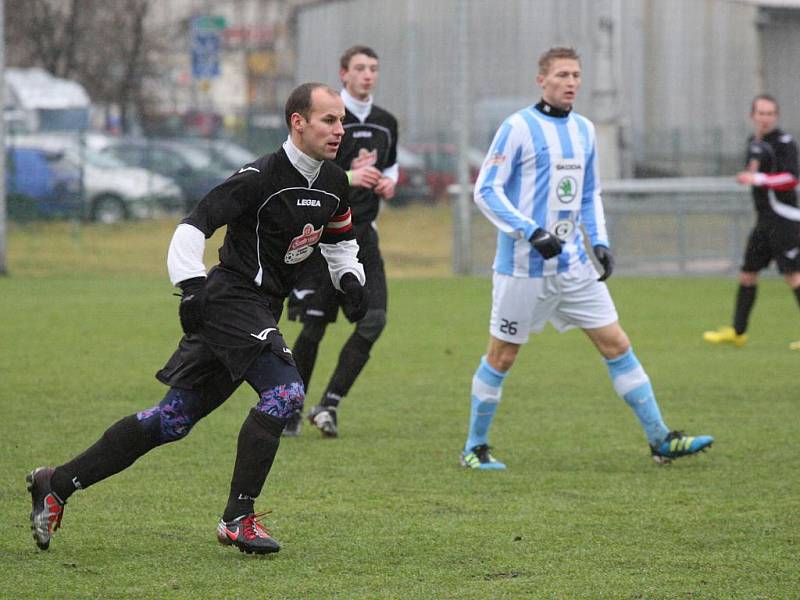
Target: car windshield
<point x="106" y="161"/>
<point x="196" y="158"/>
<point x="233" y="155"/>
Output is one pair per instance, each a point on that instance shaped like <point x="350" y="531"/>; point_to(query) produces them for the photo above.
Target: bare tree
<point x="103" y="45"/>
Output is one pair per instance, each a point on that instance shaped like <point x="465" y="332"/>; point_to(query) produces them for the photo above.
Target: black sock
<point x="745" y="298"/>
<point x="117" y="449"/>
<point x="352" y="358"/>
<point x="797" y="294"/>
<point x="304" y="353"/>
<point x="305" y="350"/>
<point x="258" y="443"/>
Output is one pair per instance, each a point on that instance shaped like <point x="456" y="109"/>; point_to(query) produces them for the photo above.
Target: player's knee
<point x="503" y="362"/>
<point x="793" y="280"/>
<point x="171" y="419"/>
<point x="282" y="400"/>
<point x="748" y="278"/>
<point x="502" y="357"/>
<point x="614" y="347"/>
<point x="313" y="330"/>
<point x="371" y="326"/>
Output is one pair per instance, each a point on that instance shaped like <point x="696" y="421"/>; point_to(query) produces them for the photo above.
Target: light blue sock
<point x="633" y="385"/>
<point x="486" y="390"/>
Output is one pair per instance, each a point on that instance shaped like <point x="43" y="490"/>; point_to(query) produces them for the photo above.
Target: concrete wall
<point x="669" y="80"/>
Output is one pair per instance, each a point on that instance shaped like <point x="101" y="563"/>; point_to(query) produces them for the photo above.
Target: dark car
<point x="224" y="154"/>
<point x="41" y="184"/>
<point x="411" y="184"/>
<point x="189" y="167"/>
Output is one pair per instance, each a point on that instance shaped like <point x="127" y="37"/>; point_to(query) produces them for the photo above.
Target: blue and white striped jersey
<point x="541" y="171"/>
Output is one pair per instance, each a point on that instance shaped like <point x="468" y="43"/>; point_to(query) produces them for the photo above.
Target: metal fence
<point x="676" y="226"/>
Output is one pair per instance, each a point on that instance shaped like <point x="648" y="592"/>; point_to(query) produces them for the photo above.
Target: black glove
<point x="605" y="259"/>
<point x="355" y="298"/>
<point x="193" y="300"/>
<point x="546" y="243"/>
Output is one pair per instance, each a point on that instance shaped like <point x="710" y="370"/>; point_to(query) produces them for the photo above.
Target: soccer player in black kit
<point x="369" y="155"/>
<point x="772" y="171"/>
<point x="277" y="210"/>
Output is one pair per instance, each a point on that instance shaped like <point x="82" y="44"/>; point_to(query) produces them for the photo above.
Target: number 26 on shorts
<point x="509" y="327"/>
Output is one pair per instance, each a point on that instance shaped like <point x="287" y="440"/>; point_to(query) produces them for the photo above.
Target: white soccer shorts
<point x="521" y="305"/>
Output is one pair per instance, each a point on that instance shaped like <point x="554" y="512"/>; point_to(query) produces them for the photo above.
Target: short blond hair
<point x="547" y="58"/>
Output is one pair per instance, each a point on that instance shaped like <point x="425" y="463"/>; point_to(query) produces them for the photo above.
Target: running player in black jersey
<point x="277" y="209"/>
<point x="369" y="154"/>
<point x="772" y="171"/>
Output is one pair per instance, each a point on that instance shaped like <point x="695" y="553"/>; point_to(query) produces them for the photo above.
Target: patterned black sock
<point x="745" y="298"/>
<point x="259" y="439"/>
<point x="117" y="449"/>
<point x="352" y="358"/>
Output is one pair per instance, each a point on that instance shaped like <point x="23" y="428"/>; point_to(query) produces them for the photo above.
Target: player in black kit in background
<point x="277" y="210"/>
<point x="369" y="154"/>
<point x="772" y="172"/>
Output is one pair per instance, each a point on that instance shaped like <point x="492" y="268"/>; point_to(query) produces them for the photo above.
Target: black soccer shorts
<point x="239" y="323"/>
<point x="777" y="240"/>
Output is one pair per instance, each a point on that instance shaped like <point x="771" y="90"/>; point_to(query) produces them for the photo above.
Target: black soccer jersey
<point x="275" y="218"/>
<point x="373" y="142"/>
<point x="775" y="153"/>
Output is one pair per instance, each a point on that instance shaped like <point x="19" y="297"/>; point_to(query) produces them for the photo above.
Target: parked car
<point x="191" y="168"/>
<point x="41" y="184"/>
<point x="440" y="162"/>
<point x="225" y="153"/>
<point x="113" y="191"/>
<point x="411" y="182"/>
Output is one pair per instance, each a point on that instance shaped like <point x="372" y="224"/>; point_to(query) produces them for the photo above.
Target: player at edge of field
<point x="772" y="172"/>
<point x="277" y="209"/>
<point x="539" y="185"/>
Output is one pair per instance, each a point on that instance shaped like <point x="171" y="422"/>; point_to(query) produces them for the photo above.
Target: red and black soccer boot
<point x="248" y="534"/>
<point x="47" y="508"/>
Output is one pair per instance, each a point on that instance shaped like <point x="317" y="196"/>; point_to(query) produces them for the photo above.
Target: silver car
<point x="112" y="190"/>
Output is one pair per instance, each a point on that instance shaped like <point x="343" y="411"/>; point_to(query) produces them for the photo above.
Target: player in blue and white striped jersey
<point x="539" y="185"/>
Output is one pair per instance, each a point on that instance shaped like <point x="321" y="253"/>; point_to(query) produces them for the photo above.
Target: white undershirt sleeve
<point x="392" y="172"/>
<point x="341" y="259"/>
<point x="185" y="255"/>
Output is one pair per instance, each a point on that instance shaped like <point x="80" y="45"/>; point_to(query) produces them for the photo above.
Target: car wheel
<point x="108" y="210"/>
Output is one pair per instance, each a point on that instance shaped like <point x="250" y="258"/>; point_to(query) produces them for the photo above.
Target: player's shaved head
<point x="300" y="100"/>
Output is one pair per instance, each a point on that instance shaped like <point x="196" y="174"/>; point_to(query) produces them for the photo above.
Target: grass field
<point x="86" y="318"/>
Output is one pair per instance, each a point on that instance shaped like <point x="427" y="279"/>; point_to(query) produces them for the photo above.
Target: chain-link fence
<point x="676" y="226"/>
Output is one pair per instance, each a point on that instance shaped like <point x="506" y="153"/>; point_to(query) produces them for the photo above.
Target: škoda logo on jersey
<point x="301" y="247"/>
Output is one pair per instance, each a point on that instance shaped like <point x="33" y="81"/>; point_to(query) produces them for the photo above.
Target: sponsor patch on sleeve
<point x="496" y="159"/>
